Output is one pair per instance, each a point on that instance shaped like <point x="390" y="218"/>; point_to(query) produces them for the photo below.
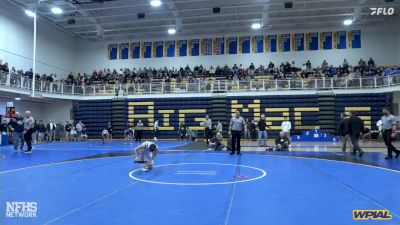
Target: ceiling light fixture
<point x="29" y="13"/>
<point x="56" y="10"/>
<point x="155" y="3"/>
<point x="347" y="22"/>
<point x="256" y="26"/>
<point x="17" y="98"/>
<point x="171" y="31"/>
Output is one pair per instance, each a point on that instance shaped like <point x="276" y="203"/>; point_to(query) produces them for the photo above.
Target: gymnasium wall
<point x="380" y="41"/>
<point x="304" y="111"/>
<point x="55" y="49"/>
<point x="55" y="110"/>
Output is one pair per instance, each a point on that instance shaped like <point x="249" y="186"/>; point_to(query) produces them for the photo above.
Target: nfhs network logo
<point x="21" y="209"/>
<point x="382" y="11"/>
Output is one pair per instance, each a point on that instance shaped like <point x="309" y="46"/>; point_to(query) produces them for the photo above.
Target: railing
<point x="199" y="86"/>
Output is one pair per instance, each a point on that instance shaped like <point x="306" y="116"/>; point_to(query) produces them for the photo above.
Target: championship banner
<point x="194" y="47"/>
<point x="284" y="42"/>
<point x="206" y="46"/>
<point x="326" y="40"/>
<point x="124" y="51"/>
<point x="298" y="42"/>
<point x="312" y="41"/>
<point x="218" y="48"/>
<point x="354" y="38"/>
<point x="231" y="45"/>
<point x="146" y="49"/>
<point x="271" y="43"/>
<point x="182" y="48"/>
<point x="158" y="49"/>
<point x="244" y="45"/>
<point x="257" y="44"/>
<point x="135" y="50"/>
<point x="169" y="48"/>
<point x="112" y="51"/>
<point x="339" y="40"/>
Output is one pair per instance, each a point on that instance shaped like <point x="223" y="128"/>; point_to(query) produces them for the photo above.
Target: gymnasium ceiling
<point x="117" y="19"/>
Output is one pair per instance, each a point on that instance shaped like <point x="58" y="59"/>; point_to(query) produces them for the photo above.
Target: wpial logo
<point x="372" y="214"/>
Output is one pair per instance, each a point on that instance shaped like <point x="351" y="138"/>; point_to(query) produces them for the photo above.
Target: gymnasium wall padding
<point x="304" y="111"/>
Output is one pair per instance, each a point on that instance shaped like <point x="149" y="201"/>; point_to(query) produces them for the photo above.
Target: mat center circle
<point x="198" y="174"/>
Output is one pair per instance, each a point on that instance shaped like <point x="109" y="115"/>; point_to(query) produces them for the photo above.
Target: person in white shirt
<point x="379" y="125"/>
<point x="286" y="127"/>
<point x="156" y="130"/>
<point x="145" y="154"/>
<point x="51" y="131"/>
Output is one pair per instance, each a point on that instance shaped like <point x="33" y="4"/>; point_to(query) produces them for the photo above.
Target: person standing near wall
<point x="109" y="129"/>
<point x="208" y="129"/>
<point x="29" y="123"/>
<point x="262" y="131"/>
<point x="42" y="131"/>
<point x="286" y="127"/>
<point x="67" y="129"/>
<point x="219" y="128"/>
<point x="342" y="131"/>
<point x="236" y="126"/>
<point x="356" y="126"/>
<point x="389" y="127"/>
<point x="247" y="134"/>
<point x="17" y="126"/>
<point x="156" y="130"/>
<point x="139" y="130"/>
<point x="79" y="127"/>
<point x="51" y="131"/>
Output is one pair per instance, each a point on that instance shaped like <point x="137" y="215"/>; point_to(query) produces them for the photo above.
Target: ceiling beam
<point x="119" y="6"/>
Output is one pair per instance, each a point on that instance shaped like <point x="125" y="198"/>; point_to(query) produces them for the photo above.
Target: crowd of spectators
<point x="48" y="132"/>
<point x="236" y="72"/>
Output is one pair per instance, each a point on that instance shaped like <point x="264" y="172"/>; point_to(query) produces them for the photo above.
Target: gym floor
<point x="95" y="183"/>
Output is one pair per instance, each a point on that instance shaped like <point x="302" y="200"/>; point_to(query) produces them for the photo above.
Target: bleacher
<point x="304" y="111"/>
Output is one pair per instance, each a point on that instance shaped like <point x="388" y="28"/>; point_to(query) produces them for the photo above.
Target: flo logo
<point x="382" y="11"/>
<point x="21" y="209"/>
<point x="372" y="214"/>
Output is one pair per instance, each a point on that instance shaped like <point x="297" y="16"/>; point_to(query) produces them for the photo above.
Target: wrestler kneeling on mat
<point x="145" y="154"/>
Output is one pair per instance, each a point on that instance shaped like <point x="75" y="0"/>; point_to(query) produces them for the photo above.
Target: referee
<point x="236" y="126"/>
<point x="389" y="126"/>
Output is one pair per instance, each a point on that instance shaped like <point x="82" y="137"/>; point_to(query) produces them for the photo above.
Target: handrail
<point x="200" y="86"/>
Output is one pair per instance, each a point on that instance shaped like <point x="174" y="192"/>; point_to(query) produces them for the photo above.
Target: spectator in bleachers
<point x="371" y="63"/>
<point x="324" y="64"/>
<point x="4" y="68"/>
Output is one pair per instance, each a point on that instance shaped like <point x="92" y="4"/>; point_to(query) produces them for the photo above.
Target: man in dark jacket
<point x="342" y="131"/>
<point x="355" y="127"/>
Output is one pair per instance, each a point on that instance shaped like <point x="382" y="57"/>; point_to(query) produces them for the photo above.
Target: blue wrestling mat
<point x="91" y="183"/>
